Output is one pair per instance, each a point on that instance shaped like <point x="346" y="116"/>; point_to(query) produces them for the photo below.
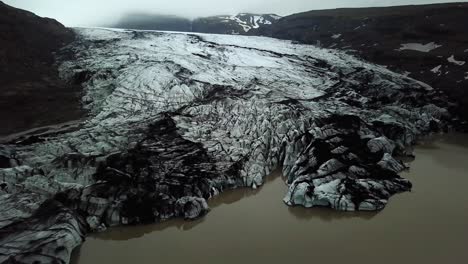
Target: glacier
<point x="177" y="118"/>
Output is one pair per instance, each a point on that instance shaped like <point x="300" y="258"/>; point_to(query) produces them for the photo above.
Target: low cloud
<point x="99" y="12"/>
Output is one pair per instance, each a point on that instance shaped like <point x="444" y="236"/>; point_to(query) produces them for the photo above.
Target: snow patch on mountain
<point x="452" y="59"/>
<point x="336" y="36"/>
<point x="436" y="69"/>
<point x="250" y="21"/>
<point x="419" y="47"/>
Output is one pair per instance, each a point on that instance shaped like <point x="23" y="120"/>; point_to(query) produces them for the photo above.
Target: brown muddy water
<point x="428" y="225"/>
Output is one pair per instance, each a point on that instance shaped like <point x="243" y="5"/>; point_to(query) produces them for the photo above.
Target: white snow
<point x="285" y="47"/>
<point x="254" y="21"/>
<point x="419" y="47"/>
<point x="336" y="36"/>
<point x="436" y="70"/>
<point x="241" y="23"/>
<point x="264" y="21"/>
<point x="452" y="59"/>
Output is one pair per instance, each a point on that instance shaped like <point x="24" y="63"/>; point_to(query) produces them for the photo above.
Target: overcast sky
<point x="98" y="12"/>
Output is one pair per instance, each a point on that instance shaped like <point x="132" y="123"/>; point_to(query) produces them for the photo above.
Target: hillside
<point x="239" y="24"/>
<point x="153" y="22"/>
<point x="31" y="92"/>
<point x="428" y="43"/>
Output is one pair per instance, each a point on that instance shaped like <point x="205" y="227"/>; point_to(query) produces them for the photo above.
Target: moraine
<point x="176" y="119"/>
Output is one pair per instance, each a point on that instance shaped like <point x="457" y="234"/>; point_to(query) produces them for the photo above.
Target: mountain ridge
<point x="240" y="23"/>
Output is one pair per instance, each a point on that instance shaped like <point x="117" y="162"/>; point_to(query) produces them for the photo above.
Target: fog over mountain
<point x="90" y="12"/>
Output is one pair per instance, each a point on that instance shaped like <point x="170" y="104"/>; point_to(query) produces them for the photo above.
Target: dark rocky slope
<point x="241" y="24"/>
<point x="377" y="35"/>
<point x="31" y="92"/>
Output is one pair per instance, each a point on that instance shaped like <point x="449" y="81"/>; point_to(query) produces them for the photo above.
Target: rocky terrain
<point x="31" y="93"/>
<point x="426" y="42"/>
<point x="176" y="119"/>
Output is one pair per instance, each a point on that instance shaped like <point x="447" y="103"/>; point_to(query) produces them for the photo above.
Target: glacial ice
<point x="175" y="119"/>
